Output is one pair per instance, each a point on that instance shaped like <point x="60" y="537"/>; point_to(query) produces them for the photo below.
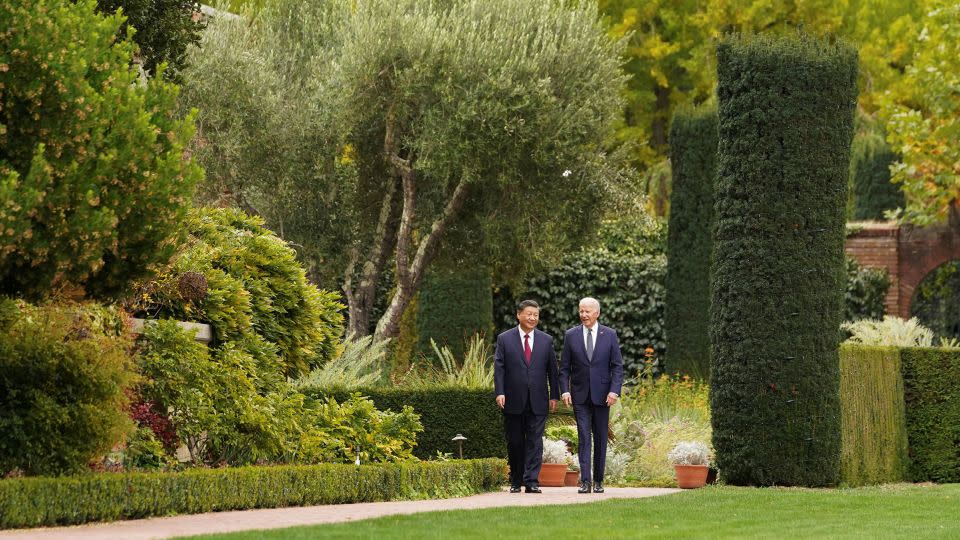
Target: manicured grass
<point x="892" y="511"/>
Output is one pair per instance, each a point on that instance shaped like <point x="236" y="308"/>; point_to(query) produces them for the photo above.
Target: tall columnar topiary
<point x="454" y="305"/>
<point x="785" y="125"/>
<point x="870" y="161"/>
<point x="693" y="151"/>
<point x="93" y="180"/>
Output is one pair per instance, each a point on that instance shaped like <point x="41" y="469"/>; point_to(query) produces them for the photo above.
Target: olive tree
<point x="419" y="127"/>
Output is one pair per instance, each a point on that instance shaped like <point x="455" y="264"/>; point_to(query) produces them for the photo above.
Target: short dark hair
<point x="527" y="303"/>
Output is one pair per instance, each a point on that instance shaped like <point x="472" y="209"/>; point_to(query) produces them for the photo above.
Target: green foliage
<point x="778" y="257"/>
<point x="481" y="95"/>
<point x="360" y="364"/>
<point x="256" y="291"/>
<point x="930" y="378"/>
<point x="630" y="291"/>
<point x="923" y="115"/>
<point x="355" y="429"/>
<point x="444" y="411"/>
<point x="936" y="302"/>
<point x="145" y="452"/>
<point x="651" y="418"/>
<point x="454" y="305"/>
<point x="872" y="191"/>
<point x="92" y="171"/>
<point x="63" y="372"/>
<point x="164" y="30"/>
<point x="475" y="372"/>
<point x="34" y="502"/>
<point x="865" y="292"/>
<point x="693" y="152"/>
<point x="873" y="431"/>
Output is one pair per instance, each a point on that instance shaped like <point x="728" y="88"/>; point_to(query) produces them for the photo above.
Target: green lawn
<point x="894" y="511"/>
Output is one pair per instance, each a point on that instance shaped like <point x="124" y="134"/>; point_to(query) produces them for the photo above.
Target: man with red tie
<point x="591" y="375"/>
<point x="523" y="365"/>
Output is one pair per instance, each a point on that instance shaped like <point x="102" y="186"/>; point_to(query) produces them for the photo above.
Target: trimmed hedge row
<point x="873" y="440"/>
<point x="33" y="502"/>
<point x="444" y="412"/>
<point x="870" y="160"/>
<point x="693" y="153"/>
<point x="786" y="109"/>
<point x="931" y="379"/>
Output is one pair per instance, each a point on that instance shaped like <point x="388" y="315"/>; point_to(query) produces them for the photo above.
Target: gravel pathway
<point x="276" y="518"/>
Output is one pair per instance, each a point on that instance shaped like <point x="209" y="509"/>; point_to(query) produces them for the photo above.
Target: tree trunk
<point x="661" y="117"/>
<point x="409" y="277"/>
<point x="360" y="299"/>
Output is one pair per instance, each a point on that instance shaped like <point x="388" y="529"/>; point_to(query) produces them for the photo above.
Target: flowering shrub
<point x="555" y="451"/>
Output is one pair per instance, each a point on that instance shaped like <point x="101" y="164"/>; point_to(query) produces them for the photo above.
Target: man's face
<point x="589" y="314"/>
<point x="528" y="317"/>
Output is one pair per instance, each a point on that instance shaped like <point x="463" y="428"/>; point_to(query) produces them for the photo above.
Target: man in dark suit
<point x="523" y="364"/>
<point x="591" y="375"/>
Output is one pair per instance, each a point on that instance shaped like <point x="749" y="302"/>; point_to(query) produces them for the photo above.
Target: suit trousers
<point x="592" y="423"/>
<point x="524" y="434"/>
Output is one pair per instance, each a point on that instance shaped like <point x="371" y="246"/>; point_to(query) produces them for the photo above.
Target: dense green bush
<point x="255" y="291"/>
<point x="785" y="124"/>
<point x="865" y="292"/>
<point x="33" y="502"/>
<point x="873" y="440"/>
<point x="164" y="30"/>
<point x="452" y="306"/>
<point x="870" y="160"/>
<point x="931" y="377"/>
<point x="63" y="372"/>
<point x="92" y="171"/>
<point x="444" y="412"/>
<point x="693" y="152"/>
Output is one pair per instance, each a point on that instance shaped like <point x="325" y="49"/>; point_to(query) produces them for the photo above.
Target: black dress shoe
<point x="584" y="487"/>
<point x="533" y="488"/>
<point x="598" y="487"/>
<point x="514" y="489"/>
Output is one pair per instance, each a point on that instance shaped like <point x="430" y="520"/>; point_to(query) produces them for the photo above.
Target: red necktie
<point x="526" y="348"/>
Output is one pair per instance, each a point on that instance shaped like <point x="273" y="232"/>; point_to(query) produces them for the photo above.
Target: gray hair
<point x="590" y="300"/>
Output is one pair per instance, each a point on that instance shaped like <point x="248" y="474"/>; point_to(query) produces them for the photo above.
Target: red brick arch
<point x="908" y="254"/>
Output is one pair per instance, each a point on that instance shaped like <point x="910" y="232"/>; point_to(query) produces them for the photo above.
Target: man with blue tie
<point x="523" y="364"/>
<point x="591" y="375"/>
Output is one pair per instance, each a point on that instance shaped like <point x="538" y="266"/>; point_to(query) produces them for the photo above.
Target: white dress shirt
<point x="522" y="333"/>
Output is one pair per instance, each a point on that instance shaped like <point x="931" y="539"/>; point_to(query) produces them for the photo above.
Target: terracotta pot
<point x="552" y="474"/>
<point x="691" y="476"/>
<point x="572" y="478"/>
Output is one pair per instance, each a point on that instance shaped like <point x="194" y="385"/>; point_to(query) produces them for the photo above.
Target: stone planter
<point x="552" y="474"/>
<point x="204" y="332"/>
<point x="691" y="476"/>
<point x="572" y="478"/>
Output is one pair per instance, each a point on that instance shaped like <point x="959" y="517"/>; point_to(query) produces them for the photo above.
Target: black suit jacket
<point x="591" y="380"/>
<point x="517" y="381"/>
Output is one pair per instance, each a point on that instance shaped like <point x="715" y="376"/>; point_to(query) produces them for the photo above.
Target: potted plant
<point x="555" y="460"/>
<point x="691" y="462"/>
<point x="572" y="477"/>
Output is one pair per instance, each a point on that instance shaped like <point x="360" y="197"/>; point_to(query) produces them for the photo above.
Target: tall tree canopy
<point x="415" y="127"/>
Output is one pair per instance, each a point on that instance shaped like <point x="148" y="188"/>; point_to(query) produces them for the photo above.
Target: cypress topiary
<point x="873" y="193"/>
<point x="693" y="151"/>
<point x="785" y="124"/>
<point x="454" y="305"/>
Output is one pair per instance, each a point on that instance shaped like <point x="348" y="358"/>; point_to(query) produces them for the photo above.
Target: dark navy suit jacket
<point x="586" y="380"/>
<point x="517" y="381"/>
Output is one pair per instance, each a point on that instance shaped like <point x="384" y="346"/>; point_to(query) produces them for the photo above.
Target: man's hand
<point x="501" y="399"/>
<point x="611" y="399"/>
<point x="566" y="399"/>
<point x="553" y="405"/>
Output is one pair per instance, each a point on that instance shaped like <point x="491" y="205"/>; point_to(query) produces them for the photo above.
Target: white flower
<point x="567" y="173"/>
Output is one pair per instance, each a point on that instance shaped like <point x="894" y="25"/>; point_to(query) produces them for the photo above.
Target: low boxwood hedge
<point x="33" y="502"/>
<point x="444" y="412"/>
